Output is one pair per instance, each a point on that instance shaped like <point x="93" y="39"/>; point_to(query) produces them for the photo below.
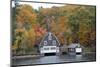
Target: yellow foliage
<point x="25" y="14"/>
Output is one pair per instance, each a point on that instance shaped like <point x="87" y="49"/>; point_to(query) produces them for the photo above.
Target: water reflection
<point x="49" y="59"/>
<point x="55" y="59"/>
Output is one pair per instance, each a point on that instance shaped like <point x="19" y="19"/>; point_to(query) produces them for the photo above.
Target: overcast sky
<point x="36" y="5"/>
<point x="44" y="5"/>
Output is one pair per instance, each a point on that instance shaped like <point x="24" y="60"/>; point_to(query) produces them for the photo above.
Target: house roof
<point x="45" y="38"/>
<point x="74" y="45"/>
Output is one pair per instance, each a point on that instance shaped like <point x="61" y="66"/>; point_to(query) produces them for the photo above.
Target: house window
<point x="45" y="42"/>
<point x="46" y="48"/>
<point x="53" y="48"/>
<point x="54" y="42"/>
<point x="71" y="49"/>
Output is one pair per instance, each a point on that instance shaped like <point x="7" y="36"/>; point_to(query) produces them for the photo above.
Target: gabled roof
<point x="45" y="38"/>
<point x="74" y="45"/>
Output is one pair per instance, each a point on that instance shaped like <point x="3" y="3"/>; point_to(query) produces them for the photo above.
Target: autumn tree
<point x="25" y="19"/>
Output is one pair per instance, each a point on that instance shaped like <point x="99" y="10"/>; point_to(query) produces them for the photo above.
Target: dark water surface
<point x="55" y="59"/>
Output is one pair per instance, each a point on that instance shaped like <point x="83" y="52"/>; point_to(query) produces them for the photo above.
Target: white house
<point x="49" y="44"/>
<point x="75" y="48"/>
